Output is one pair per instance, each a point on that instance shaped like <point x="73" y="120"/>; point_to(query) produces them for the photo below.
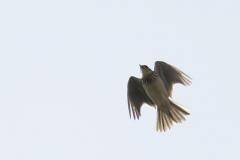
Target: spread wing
<point x="170" y="75"/>
<point x="136" y="96"/>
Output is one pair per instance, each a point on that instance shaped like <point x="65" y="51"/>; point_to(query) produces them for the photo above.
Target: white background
<point x="64" y="67"/>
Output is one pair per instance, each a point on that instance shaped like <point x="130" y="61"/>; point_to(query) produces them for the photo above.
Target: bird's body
<point x="155" y="88"/>
<point x="157" y="92"/>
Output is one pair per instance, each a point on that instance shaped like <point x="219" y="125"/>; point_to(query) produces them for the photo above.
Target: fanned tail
<point x="175" y="114"/>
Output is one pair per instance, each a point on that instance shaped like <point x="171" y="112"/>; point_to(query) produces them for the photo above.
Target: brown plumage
<point x="154" y="89"/>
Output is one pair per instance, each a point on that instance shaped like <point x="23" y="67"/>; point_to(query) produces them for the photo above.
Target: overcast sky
<point x="64" y="68"/>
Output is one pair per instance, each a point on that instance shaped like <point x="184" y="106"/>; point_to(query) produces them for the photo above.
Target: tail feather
<point x="175" y="116"/>
<point x="182" y="109"/>
<point x="178" y="114"/>
<point x="165" y="120"/>
<point x="164" y="123"/>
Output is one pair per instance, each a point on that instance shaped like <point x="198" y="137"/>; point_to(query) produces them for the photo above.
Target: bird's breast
<point x="157" y="92"/>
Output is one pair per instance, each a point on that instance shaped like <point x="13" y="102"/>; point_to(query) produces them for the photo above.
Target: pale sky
<point x="64" y="68"/>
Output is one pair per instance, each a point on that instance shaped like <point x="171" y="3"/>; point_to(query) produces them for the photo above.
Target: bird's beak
<point x="140" y="66"/>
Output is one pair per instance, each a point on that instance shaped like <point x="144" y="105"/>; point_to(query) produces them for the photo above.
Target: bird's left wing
<point x="171" y="75"/>
<point x="136" y="96"/>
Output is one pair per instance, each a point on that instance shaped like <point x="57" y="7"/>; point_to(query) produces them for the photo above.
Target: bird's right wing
<point x="136" y="96"/>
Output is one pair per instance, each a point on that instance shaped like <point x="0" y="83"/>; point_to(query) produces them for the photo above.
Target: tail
<point x="175" y="114"/>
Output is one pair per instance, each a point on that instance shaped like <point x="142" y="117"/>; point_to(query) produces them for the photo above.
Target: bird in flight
<point x="155" y="89"/>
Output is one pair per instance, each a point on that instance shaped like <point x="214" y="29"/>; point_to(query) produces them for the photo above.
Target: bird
<point x="155" y="89"/>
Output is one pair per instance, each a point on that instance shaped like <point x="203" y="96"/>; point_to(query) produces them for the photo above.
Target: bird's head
<point x="145" y="70"/>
